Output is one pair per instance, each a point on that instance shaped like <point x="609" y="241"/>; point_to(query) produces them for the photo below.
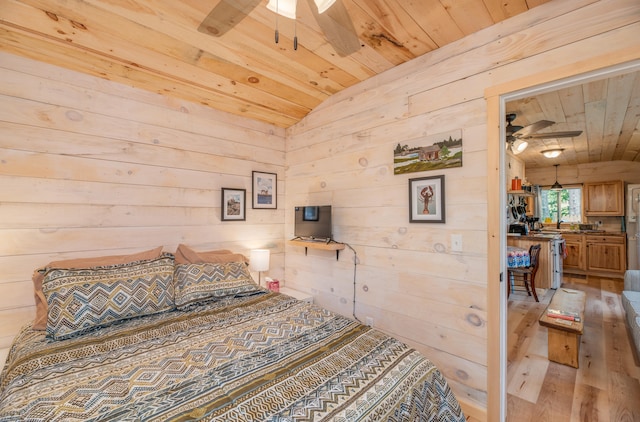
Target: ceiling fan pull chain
<point x="295" y="34"/>
<point x="277" y="34"/>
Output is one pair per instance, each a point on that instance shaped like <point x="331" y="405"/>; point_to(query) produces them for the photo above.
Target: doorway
<point x="497" y="98"/>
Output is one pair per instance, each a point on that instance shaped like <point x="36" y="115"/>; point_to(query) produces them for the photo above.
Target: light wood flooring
<point x="605" y="387"/>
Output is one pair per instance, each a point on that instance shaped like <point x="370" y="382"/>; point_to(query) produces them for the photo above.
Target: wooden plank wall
<point x="90" y="167"/>
<point x="409" y="280"/>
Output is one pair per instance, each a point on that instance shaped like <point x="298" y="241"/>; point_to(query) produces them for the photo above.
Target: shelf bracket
<point x="337" y="253"/>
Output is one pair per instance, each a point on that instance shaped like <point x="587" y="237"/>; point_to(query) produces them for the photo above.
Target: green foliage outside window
<point x="565" y="205"/>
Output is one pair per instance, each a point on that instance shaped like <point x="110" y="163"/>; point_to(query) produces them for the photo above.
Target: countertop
<point x="550" y="235"/>
<point x="539" y="237"/>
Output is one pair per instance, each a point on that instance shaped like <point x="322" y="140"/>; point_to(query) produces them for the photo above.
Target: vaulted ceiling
<point x="155" y="45"/>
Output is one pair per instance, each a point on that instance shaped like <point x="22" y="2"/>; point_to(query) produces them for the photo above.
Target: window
<point x="564" y="205"/>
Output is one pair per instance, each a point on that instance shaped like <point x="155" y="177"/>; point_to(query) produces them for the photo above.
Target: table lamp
<point x="259" y="261"/>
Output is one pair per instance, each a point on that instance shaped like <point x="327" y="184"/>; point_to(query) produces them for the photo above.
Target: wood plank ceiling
<point x="155" y="45"/>
<point x="607" y="111"/>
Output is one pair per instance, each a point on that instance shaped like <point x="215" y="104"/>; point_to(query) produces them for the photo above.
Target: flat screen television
<point x="313" y="222"/>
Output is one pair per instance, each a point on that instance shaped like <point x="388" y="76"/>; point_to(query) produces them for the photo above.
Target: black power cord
<point x="355" y="266"/>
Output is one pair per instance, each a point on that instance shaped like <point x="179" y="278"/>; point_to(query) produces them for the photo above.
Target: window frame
<point x="579" y="186"/>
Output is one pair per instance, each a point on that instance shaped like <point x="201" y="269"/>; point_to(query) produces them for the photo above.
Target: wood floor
<point x="606" y="387"/>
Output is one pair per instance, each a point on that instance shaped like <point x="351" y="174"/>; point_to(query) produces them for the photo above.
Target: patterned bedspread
<point x="262" y="357"/>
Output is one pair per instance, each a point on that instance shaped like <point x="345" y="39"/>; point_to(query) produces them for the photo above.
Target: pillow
<point x="81" y="299"/>
<point x="201" y="282"/>
<point x="40" y="322"/>
<point x="186" y="255"/>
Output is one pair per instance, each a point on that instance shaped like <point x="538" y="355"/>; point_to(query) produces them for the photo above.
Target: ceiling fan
<point x="331" y="15"/>
<point x="517" y="135"/>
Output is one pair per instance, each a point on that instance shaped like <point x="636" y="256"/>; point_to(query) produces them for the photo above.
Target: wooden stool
<point x="564" y="335"/>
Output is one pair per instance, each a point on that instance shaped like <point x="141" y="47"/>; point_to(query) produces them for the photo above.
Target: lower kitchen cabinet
<point x="575" y="259"/>
<point x="606" y="253"/>
<point x="598" y="254"/>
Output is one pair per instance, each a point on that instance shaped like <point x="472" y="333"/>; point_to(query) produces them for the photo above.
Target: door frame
<point x="496" y="97"/>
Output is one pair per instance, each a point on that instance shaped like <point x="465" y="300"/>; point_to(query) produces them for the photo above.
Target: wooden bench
<point x="564" y="335"/>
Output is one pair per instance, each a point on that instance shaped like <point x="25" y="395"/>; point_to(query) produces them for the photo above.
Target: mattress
<point x="262" y="356"/>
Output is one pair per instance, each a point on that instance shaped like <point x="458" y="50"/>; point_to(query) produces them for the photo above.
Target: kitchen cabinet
<point x="576" y="257"/>
<point x="604" y="198"/>
<point x="597" y="254"/>
<point x="606" y="253"/>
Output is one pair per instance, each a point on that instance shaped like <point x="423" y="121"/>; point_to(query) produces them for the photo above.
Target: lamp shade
<point x="519" y="145"/>
<point x="286" y="8"/>
<point x="556" y="186"/>
<point x="259" y="259"/>
<point x="323" y="5"/>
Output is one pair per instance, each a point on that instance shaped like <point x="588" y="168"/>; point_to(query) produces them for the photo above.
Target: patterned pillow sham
<point x="185" y="255"/>
<point x="202" y="282"/>
<point x="83" y="299"/>
<point x="42" y="311"/>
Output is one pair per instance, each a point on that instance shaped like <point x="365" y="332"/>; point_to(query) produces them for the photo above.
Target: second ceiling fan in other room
<point x="518" y="136"/>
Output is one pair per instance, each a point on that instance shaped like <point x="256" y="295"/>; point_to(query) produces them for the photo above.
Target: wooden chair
<point x="528" y="274"/>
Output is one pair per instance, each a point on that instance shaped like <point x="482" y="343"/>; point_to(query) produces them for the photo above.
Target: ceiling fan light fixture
<point x="323" y="5"/>
<point x="286" y="8"/>
<point x="552" y="153"/>
<point x="518" y="146"/>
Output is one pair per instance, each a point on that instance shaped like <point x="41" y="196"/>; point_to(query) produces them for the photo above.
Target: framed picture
<point x="265" y="190"/>
<point x="233" y="204"/>
<point x="426" y="200"/>
<point x="433" y="152"/>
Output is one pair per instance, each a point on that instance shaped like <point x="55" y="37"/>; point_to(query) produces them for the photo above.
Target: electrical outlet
<point x="369" y="321"/>
<point x="456" y="242"/>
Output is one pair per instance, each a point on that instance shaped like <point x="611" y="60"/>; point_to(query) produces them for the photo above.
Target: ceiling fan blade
<point x="533" y="128"/>
<point x="565" y="134"/>
<point x="225" y="15"/>
<point x="337" y="27"/>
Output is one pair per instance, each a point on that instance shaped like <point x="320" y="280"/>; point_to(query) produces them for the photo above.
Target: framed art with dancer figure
<point x="426" y="200"/>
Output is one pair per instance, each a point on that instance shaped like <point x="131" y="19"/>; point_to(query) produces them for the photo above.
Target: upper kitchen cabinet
<point x="604" y="198"/>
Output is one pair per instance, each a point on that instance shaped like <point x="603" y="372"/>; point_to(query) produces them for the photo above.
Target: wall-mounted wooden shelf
<point x="330" y="246"/>
<point x="520" y="193"/>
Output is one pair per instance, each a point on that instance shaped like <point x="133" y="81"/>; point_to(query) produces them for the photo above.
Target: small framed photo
<point x="265" y="190"/>
<point x="426" y="200"/>
<point x="233" y="204"/>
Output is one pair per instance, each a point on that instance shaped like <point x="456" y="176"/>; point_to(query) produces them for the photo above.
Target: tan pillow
<point x="40" y="322"/>
<point x="186" y="255"/>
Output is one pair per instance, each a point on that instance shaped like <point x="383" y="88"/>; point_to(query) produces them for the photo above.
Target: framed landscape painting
<point x="233" y="204"/>
<point x="433" y="152"/>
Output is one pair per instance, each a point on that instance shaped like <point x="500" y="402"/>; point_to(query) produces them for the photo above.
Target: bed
<point x="243" y="354"/>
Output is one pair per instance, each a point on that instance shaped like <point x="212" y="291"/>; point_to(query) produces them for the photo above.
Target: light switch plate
<point x="456" y="242"/>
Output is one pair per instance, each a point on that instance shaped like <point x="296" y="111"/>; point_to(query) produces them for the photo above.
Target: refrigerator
<point x="633" y="227"/>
